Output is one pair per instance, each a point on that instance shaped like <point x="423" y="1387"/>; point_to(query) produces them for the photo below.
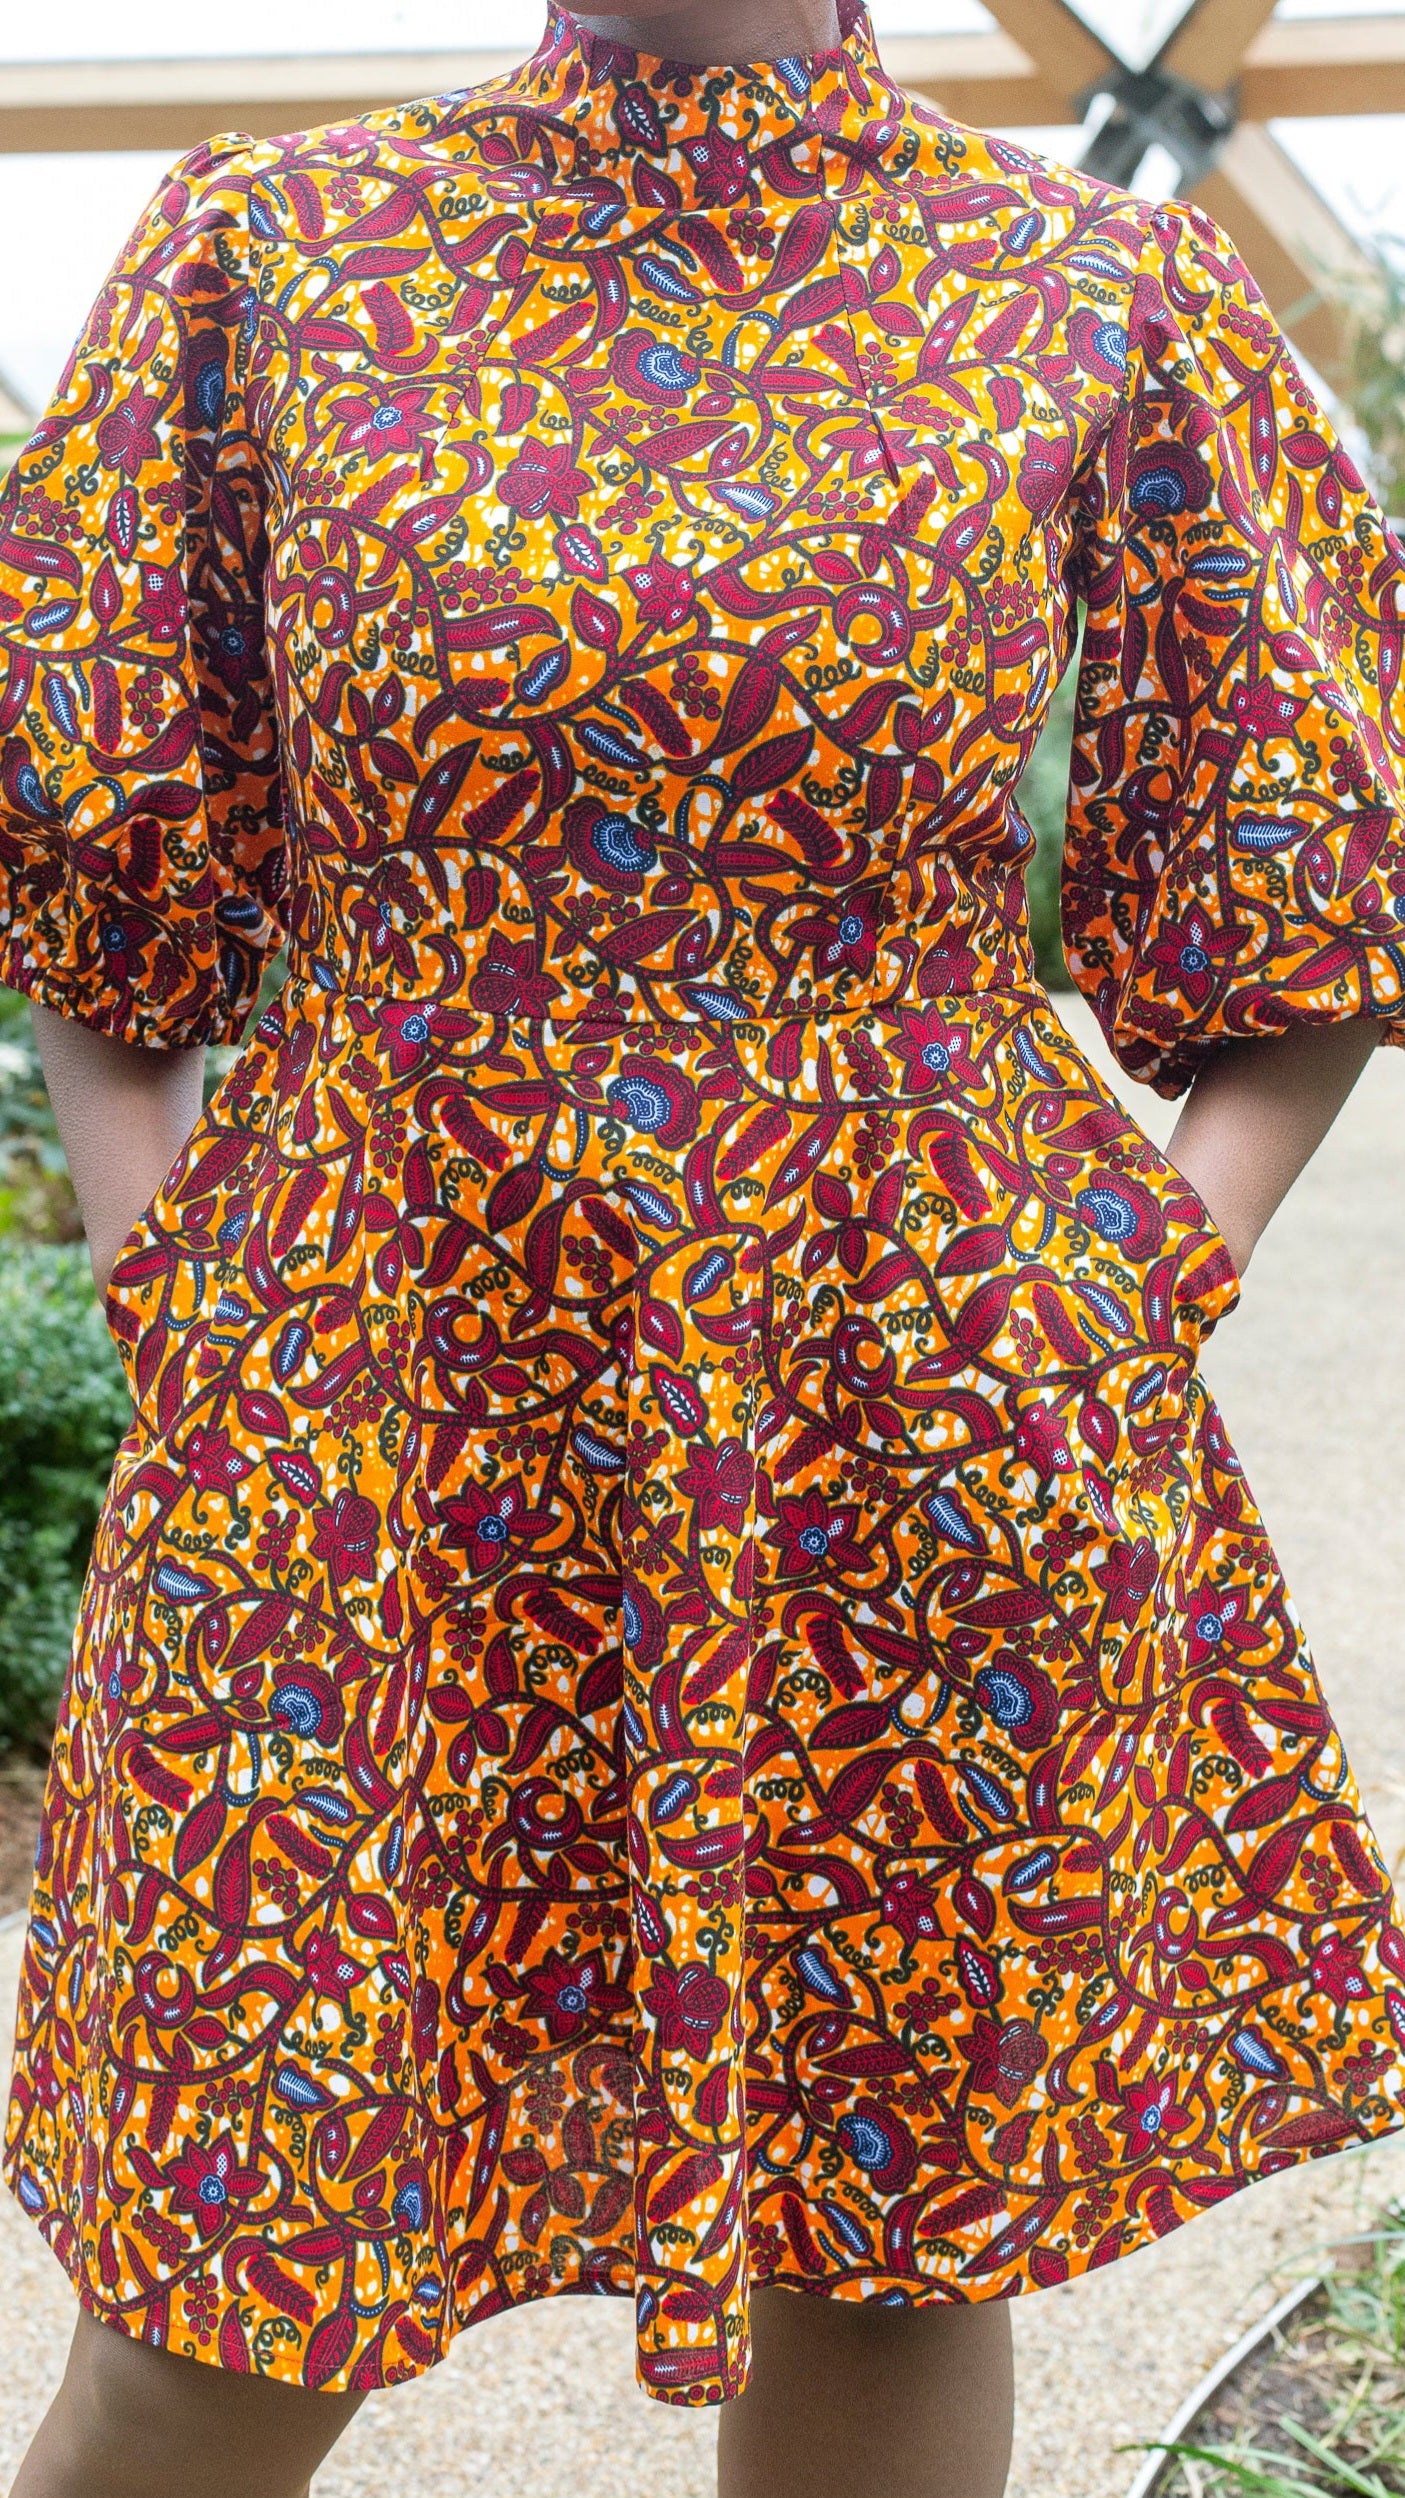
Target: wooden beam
<point x="1210" y="42"/>
<point x="993" y="104"/>
<point x="1327" y="42"/>
<point x="1325" y="65"/>
<point x="983" y="80"/>
<point x="1285" y="95"/>
<point x="172" y="105"/>
<point x="1288" y="235"/>
<point x="1058" y="43"/>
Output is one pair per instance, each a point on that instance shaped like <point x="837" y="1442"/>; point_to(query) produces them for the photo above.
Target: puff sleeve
<point x="1235" y="861"/>
<point x="141" y="856"/>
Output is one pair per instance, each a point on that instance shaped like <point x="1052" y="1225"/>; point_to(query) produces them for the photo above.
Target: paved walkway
<point x="1311" y="1372"/>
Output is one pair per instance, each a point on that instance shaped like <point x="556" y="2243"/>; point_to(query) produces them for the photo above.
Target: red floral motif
<point x="306" y="1701"/>
<point x="910" y="1904"/>
<point x="213" y="1461"/>
<point x="814" y="1534"/>
<point x="391" y="420"/>
<point x="408" y="1033"/>
<point x="1045" y="468"/>
<point x="1128" y="1577"/>
<point x="1337" y="1970"/>
<point x="1189" y="954"/>
<point x="719" y="1480"/>
<point x="1004" y="2056"/>
<point x="844" y="937"/>
<point x="665" y="592"/>
<point x="208" y="2179"/>
<point x="689" y="2005"/>
<point x="880" y="2145"/>
<point x="1022" y="1699"/>
<point x="1041" y="1439"/>
<point x="722" y="168"/>
<point x="933" y="1052"/>
<point x="1218" y="1627"/>
<point x="486" y="1523"/>
<point x="127" y="437"/>
<point x="543" y="478"/>
<point x="572" y="1997"/>
<point x="510" y="982"/>
<point x="346" y="1537"/>
<point x="1149" y="2115"/>
<point x="656" y="1099"/>
<point x="163" y="609"/>
<point x="330" y="1970"/>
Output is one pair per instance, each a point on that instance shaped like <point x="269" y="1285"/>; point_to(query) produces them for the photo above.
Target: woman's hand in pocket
<point x="123" y="1115"/>
<point x="1256" y="1115"/>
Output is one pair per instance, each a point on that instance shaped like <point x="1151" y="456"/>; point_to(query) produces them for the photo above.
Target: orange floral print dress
<point x="680" y="1686"/>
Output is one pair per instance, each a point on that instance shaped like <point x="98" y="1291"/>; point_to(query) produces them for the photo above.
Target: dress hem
<point x="887" y="2288"/>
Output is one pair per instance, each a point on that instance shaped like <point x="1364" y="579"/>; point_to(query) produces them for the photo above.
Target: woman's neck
<point x="714" y="32"/>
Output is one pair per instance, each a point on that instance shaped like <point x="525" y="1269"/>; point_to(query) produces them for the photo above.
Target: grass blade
<point x="1345" y="2472"/>
<point x="1254" y="2469"/>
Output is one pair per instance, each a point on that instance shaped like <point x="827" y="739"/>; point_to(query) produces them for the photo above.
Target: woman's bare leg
<point x="850" y="2399"/>
<point x="130" y="2421"/>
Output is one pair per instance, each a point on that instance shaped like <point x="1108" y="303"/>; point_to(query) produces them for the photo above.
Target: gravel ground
<point x="21" y="1793"/>
<point x="1311" y="1372"/>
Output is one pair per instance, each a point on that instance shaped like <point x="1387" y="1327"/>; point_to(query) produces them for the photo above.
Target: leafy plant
<point x="1043" y="796"/>
<point x="36" y="1194"/>
<point x="1342" y="2356"/>
<point x="1372" y="375"/>
<point x="63" y="1409"/>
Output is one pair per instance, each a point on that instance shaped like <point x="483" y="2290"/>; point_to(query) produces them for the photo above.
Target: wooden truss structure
<point x="1227" y="69"/>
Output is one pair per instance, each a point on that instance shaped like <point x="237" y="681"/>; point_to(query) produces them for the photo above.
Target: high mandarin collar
<point x="634" y="133"/>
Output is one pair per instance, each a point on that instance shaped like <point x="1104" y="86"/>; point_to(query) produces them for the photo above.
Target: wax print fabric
<point x="680" y="1686"/>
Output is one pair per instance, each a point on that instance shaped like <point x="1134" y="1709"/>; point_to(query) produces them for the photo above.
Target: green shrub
<point x="36" y="1194"/>
<point x="1043" y="795"/>
<point x="63" y="1409"/>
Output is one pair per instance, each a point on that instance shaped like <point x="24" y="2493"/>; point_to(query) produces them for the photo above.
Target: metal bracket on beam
<point x="1138" y="115"/>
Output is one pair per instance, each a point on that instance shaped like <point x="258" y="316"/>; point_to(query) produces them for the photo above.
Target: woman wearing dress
<point x="680" y="1694"/>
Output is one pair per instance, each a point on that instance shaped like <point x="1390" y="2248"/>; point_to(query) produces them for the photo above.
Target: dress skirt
<point x="732" y="1719"/>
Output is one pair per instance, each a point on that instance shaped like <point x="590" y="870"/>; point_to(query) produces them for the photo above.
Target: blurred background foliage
<point x="1373" y="380"/>
<point x="63" y="1409"/>
<point x="36" y="1196"/>
<point x="1044" y="796"/>
<point x="63" y="1397"/>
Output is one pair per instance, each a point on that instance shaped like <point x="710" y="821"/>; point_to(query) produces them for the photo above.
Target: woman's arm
<point x="1257" y="1113"/>
<point x="123" y="1115"/>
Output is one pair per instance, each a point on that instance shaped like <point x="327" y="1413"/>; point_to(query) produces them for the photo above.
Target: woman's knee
<point x="135" y="2421"/>
<point x="848" y="2395"/>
